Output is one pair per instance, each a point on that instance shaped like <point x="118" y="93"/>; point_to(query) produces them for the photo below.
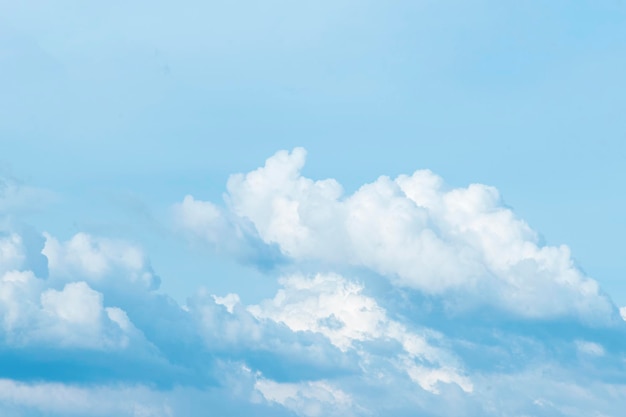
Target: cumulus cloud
<point x="100" y="296"/>
<point x="406" y="297"/>
<point x="204" y="222"/>
<point x="73" y="316"/>
<point x="337" y="309"/>
<point x="57" y="323"/>
<point x="414" y="231"/>
<point x="11" y="252"/>
<point x="321" y="346"/>
<point x="232" y="332"/>
<point x="95" y="259"/>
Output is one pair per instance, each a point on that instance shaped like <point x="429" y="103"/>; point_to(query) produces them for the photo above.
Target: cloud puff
<point x="204" y="222"/>
<point x="73" y="316"/>
<point x="12" y="254"/>
<point x="412" y="230"/>
<point x="58" y="324"/>
<point x="336" y="308"/>
<point x="97" y="259"/>
<point x="99" y="307"/>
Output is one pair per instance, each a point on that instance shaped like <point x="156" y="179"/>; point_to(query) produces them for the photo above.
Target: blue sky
<point x="137" y="263"/>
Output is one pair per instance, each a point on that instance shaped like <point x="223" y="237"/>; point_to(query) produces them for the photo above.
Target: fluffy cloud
<point x="403" y="298"/>
<point x="413" y="230"/>
<point x="33" y="313"/>
<point x="323" y="345"/>
<point x="12" y="254"/>
<point x="204" y="222"/>
<point x="100" y="301"/>
<point x="336" y="308"/>
<point x="95" y="259"/>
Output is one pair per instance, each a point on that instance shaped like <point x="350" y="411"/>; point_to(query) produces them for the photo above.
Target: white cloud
<point x="229" y="330"/>
<point x="429" y="378"/>
<point x="76" y="304"/>
<point x="324" y="344"/>
<point x="222" y="324"/>
<point x="275" y="198"/>
<point x="69" y="400"/>
<point x="327" y="304"/>
<point x="548" y="391"/>
<point x="75" y="316"/>
<point x="93" y="259"/>
<point x="19" y="292"/>
<point x="414" y="231"/>
<point x="12" y="254"/>
<point x="34" y="315"/>
<point x="54" y="399"/>
<point x="336" y="308"/>
<point x="229" y="301"/>
<point x="590" y="348"/>
<point x="309" y="399"/>
<point x="201" y="218"/>
<point x="37" y="311"/>
<point x="204" y="222"/>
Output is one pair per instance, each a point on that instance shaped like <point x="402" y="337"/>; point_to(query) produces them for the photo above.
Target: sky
<point x="280" y="208"/>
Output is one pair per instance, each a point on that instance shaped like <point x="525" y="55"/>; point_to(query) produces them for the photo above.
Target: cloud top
<point x="413" y="230"/>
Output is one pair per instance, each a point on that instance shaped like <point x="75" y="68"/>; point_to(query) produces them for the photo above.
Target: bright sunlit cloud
<point x="405" y="296"/>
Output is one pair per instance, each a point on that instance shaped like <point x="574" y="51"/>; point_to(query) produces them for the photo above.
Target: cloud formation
<point x="406" y="297"/>
<point x="413" y="230"/>
<point x="336" y="308"/>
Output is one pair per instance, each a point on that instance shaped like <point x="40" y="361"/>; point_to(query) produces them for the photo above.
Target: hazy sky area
<point x="281" y="208"/>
